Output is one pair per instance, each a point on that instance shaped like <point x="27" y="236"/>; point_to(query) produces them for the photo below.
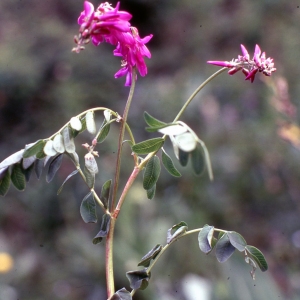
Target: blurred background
<point x="46" y="249"/>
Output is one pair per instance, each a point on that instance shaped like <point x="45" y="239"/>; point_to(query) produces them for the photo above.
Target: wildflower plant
<point x="111" y="25"/>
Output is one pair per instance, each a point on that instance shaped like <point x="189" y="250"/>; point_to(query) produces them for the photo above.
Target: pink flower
<point x="108" y="24"/>
<point x="259" y="63"/>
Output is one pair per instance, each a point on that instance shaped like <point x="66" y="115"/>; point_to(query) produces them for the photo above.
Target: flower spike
<point x="259" y="63"/>
<point x="110" y="25"/>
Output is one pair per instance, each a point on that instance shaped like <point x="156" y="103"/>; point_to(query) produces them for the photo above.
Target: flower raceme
<point x="110" y="25"/>
<point x="259" y="63"/>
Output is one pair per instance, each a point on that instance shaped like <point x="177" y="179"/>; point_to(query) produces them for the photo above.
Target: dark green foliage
<point x="169" y="165"/>
<point x="104" y="229"/>
<point x="104" y="131"/>
<point x="151" y="192"/>
<point x="224" y="249"/>
<point x="54" y="167"/>
<point x="4" y="181"/>
<point x="183" y="157"/>
<point x="151" y="173"/>
<point x="121" y="294"/>
<point x="138" y="279"/>
<point x="146" y="260"/>
<point x="153" y="122"/>
<point x="198" y="160"/>
<point x="148" y="146"/>
<point x="18" y="177"/>
<point x="259" y="258"/>
<point x="179" y="229"/>
<point x="105" y="191"/>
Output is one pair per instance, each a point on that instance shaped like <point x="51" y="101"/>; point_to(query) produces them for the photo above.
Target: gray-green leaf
<point x="54" y="167"/>
<point x="88" y="209"/>
<point x="33" y="149"/>
<point x="205" y="238"/>
<point x="121" y="294"/>
<point x="138" y="279"/>
<point x="104" y="229"/>
<point x="151" y="121"/>
<point x="179" y="228"/>
<point x="237" y="241"/>
<point x="198" y="161"/>
<point x="58" y="143"/>
<point x="145" y="261"/>
<point x="4" y="181"/>
<point x="224" y="249"/>
<point x="258" y="256"/>
<point x="105" y="191"/>
<point x="71" y="175"/>
<point x="68" y="140"/>
<point x="18" y="177"/>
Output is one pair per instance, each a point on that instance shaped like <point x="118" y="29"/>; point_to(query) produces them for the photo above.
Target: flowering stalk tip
<point x="110" y="25"/>
<point x="259" y="63"/>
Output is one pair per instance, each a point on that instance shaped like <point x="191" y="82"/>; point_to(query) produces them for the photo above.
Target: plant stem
<point x="110" y="285"/>
<point x="199" y="88"/>
<point x="110" y="282"/>
<point x="121" y="137"/>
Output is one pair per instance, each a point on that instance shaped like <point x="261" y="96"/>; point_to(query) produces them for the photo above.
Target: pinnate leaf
<point x="169" y="165"/>
<point x="224" y="249"/>
<point x="88" y="209"/>
<point x="151" y="173"/>
<point x="148" y="146"/>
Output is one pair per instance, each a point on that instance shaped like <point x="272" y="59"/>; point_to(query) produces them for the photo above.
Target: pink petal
<point x="245" y="52"/>
<point x="226" y="64"/>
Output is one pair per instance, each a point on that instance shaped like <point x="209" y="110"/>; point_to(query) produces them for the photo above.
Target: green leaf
<point x="168" y="164"/>
<point x="145" y="261"/>
<point x="104" y="229"/>
<point x="90" y="122"/>
<point x="198" y="161"/>
<point x="148" y="146"/>
<point x="90" y="163"/>
<point x="68" y="140"/>
<point x="104" y="130"/>
<point x="54" y="167"/>
<point x="4" y="181"/>
<point x="88" y="209"/>
<point x="205" y="238"/>
<point x="138" y="279"/>
<point x="17" y="177"/>
<point x="121" y="294"/>
<point x="31" y="150"/>
<point x="12" y="159"/>
<point x="48" y="149"/>
<point x="179" y="228"/>
<point x="58" y="143"/>
<point x="151" y="121"/>
<point x="258" y="256"/>
<point x="224" y="249"/>
<point x="151" y="192"/>
<point x="105" y="191"/>
<point x="183" y="157"/>
<point x="151" y="173"/>
<point x="237" y="241"/>
<point x="89" y="177"/>
<point x="71" y="175"/>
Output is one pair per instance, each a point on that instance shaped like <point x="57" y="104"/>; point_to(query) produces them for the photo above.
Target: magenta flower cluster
<point x="110" y="25"/>
<point x="259" y="63"/>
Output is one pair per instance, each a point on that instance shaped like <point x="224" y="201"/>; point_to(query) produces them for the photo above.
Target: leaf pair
<point x="225" y="245"/>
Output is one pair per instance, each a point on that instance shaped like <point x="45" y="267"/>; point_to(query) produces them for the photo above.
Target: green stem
<point x="200" y="87"/>
<point x="121" y="137"/>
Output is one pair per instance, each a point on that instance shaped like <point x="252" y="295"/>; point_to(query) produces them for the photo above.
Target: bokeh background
<point x="46" y="250"/>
